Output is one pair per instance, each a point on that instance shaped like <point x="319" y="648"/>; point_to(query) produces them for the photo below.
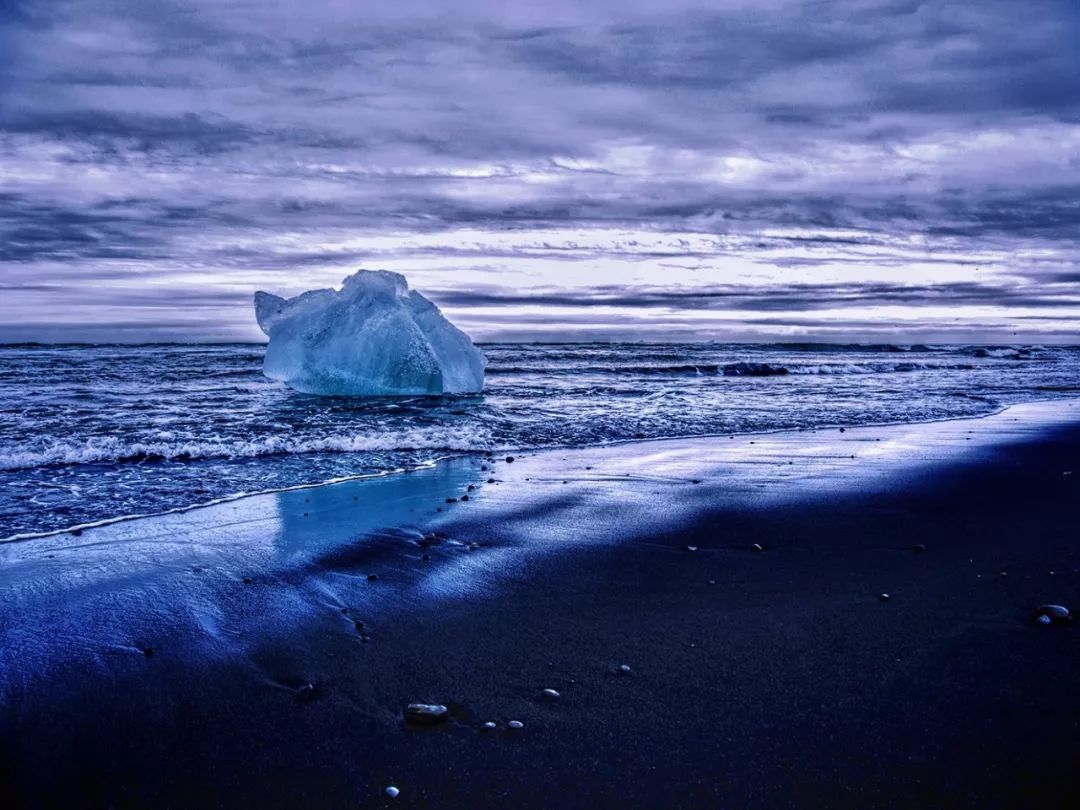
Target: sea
<point x="95" y="433"/>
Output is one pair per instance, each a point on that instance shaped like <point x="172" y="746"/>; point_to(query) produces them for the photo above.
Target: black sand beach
<point x="162" y="662"/>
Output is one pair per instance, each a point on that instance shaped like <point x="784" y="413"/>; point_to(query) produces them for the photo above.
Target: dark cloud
<point x="776" y="297"/>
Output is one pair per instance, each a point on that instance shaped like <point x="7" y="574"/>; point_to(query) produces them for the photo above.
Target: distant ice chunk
<point x="374" y="337"/>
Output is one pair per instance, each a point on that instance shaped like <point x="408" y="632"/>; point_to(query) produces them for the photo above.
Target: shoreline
<point x="80" y="527"/>
<point x="165" y="661"/>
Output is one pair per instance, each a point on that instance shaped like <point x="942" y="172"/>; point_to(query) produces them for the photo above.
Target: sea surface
<point x="92" y="433"/>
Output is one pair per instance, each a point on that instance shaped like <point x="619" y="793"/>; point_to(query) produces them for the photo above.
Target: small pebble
<point x="695" y="481"/>
<point x="1055" y="613"/>
<point x="489" y="726"/>
<point x="248" y="580"/>
<point x="884" y="597"/>
<point x="712" y="582"/>
<point x="1043" y="619"/>
<point x="474" y="546"/>
<point x="552" y="694"/>
<point x="451" y="500"/>
<point x="393" y="792"/>
<point x="691" y="548"/>
<point x="425" y="714"/>
<point x="372" y="577"/>
<point x="491" y="480"/>
<point x="516" y="725"/>
<point x="509" y="459"/>
<point x="471" y="487"/>
<point x="757" y="547"/>
<point x="624" y="669"/>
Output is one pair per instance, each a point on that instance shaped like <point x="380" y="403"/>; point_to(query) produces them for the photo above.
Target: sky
<point x="865" y="170"/>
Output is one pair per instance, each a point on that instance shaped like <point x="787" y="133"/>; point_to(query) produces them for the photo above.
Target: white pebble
<point x="392" y="792"/>
<point x="489" y="726"/>
<point x="624" y="669"/>
<point x="516" y="725"/>
<point x="551" y="693"/>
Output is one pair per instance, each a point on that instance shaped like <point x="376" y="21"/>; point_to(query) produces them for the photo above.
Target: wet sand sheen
<point x="755" y="678"/>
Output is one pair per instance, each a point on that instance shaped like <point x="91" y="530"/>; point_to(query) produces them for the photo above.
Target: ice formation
<point x="373" y="337"/>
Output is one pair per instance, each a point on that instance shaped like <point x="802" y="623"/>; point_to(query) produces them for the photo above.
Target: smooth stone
<point x="624" y="669"/>
<point x="509" y="459"/>
<point x="757" y="547"/>
<point x="884" y="597"/>
<point x="464" y="497"/>
<point x="451" y="500"/>
<point x="1055" y="613"/>
<point x="1043" y="619"/>
<point x="552" y="694"/>
<point x="393" y="792"/>
<point x="425" y="714"/>
<point x="691" y="548"/>
<point x="489" y="726"/>
<point x="473" y="546"/>
<point x="516" y="725"/>
<point x="372" y="577"/>
<point x="491" y="480"/>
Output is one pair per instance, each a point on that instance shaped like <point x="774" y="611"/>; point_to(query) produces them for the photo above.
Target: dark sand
<point x="787" y="683"/>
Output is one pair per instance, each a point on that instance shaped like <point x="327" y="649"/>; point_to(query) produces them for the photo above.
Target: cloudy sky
<point x="739" y="169"/>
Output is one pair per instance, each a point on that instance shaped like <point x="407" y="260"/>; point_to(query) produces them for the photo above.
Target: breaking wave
<point x="112" y="450"/>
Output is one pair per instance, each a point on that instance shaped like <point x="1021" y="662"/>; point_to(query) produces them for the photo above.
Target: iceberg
<point x="373" y="337"/>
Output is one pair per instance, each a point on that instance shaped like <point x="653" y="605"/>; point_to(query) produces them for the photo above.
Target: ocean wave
<point x="112" y="450"/>
<point x="741" y="368"/>
<point x="878" y="368"/>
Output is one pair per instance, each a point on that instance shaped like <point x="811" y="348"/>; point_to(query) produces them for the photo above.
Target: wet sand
<point x="162" y="662"/>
